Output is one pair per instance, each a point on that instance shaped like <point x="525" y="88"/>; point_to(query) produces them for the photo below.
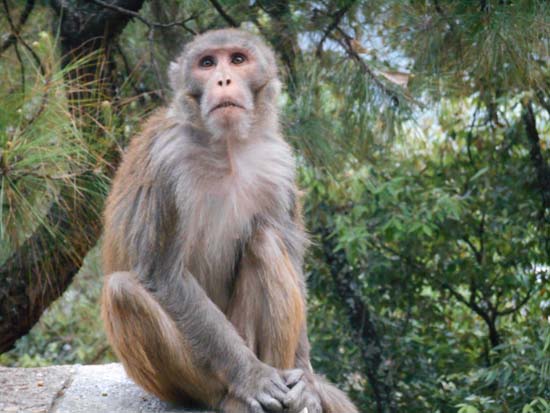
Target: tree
<point x="41" y="267"/>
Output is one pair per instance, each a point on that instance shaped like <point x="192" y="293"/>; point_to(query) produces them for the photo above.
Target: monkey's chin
<point x="228" y="126"/>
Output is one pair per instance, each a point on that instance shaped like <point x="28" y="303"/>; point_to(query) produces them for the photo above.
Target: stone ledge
<point x="76" y="389"/>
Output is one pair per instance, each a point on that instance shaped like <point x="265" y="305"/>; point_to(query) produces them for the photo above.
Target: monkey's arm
<point x="272" y="267"/>
<point x="217" y="349"/>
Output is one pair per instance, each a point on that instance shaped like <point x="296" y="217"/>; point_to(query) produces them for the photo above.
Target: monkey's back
<point x="131" y="178"/>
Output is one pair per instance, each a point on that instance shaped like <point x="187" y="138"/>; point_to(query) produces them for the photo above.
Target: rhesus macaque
<point x="204" y="296"/>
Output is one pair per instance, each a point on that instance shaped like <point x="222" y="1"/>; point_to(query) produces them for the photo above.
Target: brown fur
<point x="204" y="296"/>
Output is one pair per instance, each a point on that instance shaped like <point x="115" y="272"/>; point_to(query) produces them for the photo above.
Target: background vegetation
<point x="422" y="130"/>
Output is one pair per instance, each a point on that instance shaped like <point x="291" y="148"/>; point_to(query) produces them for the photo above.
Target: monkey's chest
<point x="216" y="233"/>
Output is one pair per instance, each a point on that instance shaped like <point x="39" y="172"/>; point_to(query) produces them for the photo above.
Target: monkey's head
<point x="226" y="80"/>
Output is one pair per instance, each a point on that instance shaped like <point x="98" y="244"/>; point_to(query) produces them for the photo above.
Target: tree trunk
<point x="362" y="323"/>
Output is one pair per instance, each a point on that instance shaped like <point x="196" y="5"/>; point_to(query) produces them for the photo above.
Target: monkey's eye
<point x="238" y="58"/>
<point x="207" y="61"/>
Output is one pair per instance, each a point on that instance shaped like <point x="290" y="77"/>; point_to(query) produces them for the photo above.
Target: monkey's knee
<point x="147" y="341"/>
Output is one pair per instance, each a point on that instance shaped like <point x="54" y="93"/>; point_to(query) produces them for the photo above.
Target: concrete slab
<point x="76" y="389"/>
<point x="32" y="390"/>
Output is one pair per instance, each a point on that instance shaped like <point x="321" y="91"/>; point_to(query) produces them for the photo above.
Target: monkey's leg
<point x="176" y="343"/>
<point x="268" y="310"/>
<point x="267" y="306"/>
<point x="147" y="341"/>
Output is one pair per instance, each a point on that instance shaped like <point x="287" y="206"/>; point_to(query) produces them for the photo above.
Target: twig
<point x="337" y="17"/>
<point x="542" y="101"/>
<point x="150" y="24"/>
<point x="41" y="108"/>
<point x="129" y="71"/>
<point x="21" y="66"/>
<point x="18" y="38"/>
<point x="440" y="11"/>
<point x="477" y="254"/>
<point x="470" y="136"/>
<point x="521" y="303"/>
<point x="12" y="38"/>
<point x="150" y="34"/>
<point x="156" y="70"/>
<point x="347" y="46"/>
<point x="222" y="13"/>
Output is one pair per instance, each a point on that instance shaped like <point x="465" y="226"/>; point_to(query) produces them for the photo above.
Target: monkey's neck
<point x="230" y="156"/>
<point x="226" y="151"/>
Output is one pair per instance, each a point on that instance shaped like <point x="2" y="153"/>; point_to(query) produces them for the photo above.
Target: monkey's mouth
<point x="226" y="104"/>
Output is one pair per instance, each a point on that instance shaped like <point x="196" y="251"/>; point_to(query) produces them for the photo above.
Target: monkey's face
<point x="227" y="81"/>
<point x="226" y="101"/>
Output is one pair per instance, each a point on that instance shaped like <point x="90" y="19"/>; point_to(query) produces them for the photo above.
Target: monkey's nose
<point x="221" y="82"/>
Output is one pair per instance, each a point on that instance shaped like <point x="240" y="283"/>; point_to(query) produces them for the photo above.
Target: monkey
<point x="204" y="297"/>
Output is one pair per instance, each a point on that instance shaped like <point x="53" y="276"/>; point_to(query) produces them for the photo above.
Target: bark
<point x="43" y="266"/>
<point x="540" y="164"/>
<point x="542" y="170"/>
<point x="88" y="29"/>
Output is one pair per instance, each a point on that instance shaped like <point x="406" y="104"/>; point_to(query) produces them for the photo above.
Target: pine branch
<point x="16" y="29"/>
<point x="336" y="18"/>
<point x="15" y="32"/>
<point x="232" y="22"/>
<point x="148" y="23"/>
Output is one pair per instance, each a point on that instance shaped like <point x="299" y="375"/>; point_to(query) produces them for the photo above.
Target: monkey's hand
<point x="303" y="395"/>
<point x="263" y="390"/>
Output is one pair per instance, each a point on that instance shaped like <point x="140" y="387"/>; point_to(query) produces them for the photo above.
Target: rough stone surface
<point x="76" y="389"/>
<point x="32" y="390"/>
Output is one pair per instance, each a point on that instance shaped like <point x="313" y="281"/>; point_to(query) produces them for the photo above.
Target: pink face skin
<point x="227" y="99"/>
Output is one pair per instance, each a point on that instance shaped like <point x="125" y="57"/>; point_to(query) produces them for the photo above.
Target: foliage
<point x="43" y="149"/>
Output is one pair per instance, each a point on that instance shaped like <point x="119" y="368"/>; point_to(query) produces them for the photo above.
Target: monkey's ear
<point x="173" y="74"/>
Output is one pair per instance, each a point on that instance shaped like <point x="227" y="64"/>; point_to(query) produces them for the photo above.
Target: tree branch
<point x="348" y="47"/>
<point x="336" y="18"/>
<point x="473" y="248"/>
<point x="17" y="37"/>
<point x="542" y="101"/>
<point x="541" y="166"/>
<point x="518" y="305"/>
<point x="15" y="29"/>
<point x="150" y="24"/>
<point x="230" y="20"/>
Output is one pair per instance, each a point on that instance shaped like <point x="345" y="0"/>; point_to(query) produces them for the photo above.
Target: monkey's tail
<point x="333" y="400"/>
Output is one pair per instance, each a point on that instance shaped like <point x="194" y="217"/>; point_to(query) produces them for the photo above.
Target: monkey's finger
<point x="276" y="393"/>
<point x="293" y="398"/>
<point x="292" y="377"/>
<point x="314" y="407"/>
<point x="269" y="403"/>
<point x="279" y="383"/>
<point x="255" y="407"/>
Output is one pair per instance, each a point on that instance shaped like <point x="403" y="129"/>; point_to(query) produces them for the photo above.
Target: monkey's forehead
<point x="226" y="38"/>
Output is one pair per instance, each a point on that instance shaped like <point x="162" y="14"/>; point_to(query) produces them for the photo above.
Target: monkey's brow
<point x="230" y="47"/>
